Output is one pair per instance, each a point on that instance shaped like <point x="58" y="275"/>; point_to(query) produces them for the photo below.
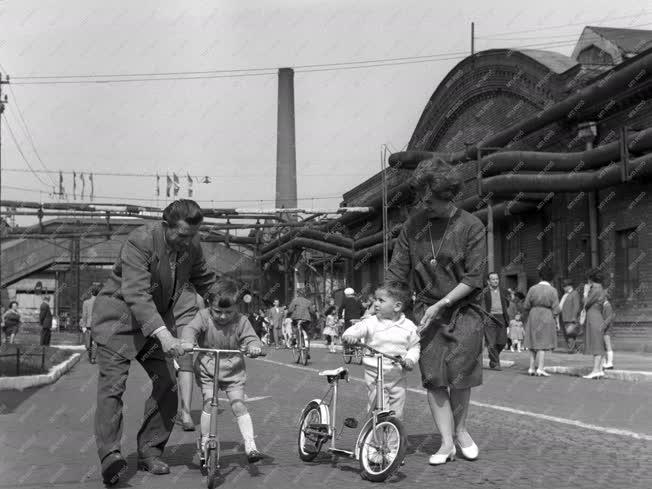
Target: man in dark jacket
<point x="495" y="328"/>
<point x="351" y="307"/>
<point x="570" y="305"/>
<point x="133" y="319"/>
<point x="45" y="319"/>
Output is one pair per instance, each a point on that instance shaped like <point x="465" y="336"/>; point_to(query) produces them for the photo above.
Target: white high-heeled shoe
<point x="470" y="452"/>
<point x="541" y="373"/>
<point x="442" y="458"/>
<point x="594" y="375"/>
<point x="530" y="372"/>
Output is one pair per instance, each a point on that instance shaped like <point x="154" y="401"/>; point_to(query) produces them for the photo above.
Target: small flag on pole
<point x="189" y="184"/>
<point x="83" y="181"/>
<point x="74" y="185"/>
<point x="61" y="189"/>
<point x="169" y="186"/>
<point x="176" y="184"/>
<point x="90" y="179"/>
<point x="158" y="185"/>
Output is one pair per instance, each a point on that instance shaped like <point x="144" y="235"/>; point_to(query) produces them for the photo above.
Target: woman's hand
<point x="431" y="313"/>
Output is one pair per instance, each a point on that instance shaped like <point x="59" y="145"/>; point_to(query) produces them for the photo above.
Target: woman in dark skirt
<point x="11" y="320"/>
<point x="441" y="251"/>
<point x="595" y="325"/>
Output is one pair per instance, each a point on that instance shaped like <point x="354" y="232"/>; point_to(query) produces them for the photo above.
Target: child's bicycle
<point x="382" y="441"/>
<point x="349" y="352"/>
<point x="211" y="452"/>
<point x="300" y="350"/>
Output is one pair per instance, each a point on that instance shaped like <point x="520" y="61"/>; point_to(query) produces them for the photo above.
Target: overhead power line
<point x="179" y="173"/>
<point x="29" y="135"/>
<point x="20" y="150"/>
<point x="584" y="22"/>
<point x="194" y="75"/>
<point x="115" y="198"/>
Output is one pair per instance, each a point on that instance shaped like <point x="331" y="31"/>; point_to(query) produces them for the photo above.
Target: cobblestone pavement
<point x="556" y="432"/>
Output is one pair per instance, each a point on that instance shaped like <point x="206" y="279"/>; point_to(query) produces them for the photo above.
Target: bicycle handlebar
<point x="215" y="351"/>
<point x="395" y="358"/>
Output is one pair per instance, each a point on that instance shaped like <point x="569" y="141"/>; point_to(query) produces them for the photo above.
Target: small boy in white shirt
<point x="390" y="332"/>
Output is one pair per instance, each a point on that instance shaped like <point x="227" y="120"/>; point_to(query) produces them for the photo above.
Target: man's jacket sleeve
<point x="136" y="288"/>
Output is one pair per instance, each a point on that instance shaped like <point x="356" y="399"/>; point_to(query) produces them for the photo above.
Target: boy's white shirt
<point x="390" y="337"/>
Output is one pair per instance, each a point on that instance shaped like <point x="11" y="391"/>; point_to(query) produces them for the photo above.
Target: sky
<point x="225" y="126"/>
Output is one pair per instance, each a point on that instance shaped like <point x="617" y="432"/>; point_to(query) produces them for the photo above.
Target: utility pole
<point x="472" y="38"/>
<point x="3" y="102"/>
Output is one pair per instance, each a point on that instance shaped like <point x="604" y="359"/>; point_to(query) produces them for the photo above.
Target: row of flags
<point x="172" y="189"/>
<point x="173" y="186"/>
<point x="82" y="178"/>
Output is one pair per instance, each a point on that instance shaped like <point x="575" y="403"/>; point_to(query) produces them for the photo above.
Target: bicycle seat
<point x="340" y="372"/>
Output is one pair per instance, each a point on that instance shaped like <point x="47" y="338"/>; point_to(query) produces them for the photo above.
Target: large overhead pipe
<point x="503" y="161"/>
<point x="610" y="85"/>
<point x="567" y="182"/>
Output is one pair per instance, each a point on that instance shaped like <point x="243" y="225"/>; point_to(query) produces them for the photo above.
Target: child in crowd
<point x="287" y="331"/>
<point x="516" y="332"/>
<point x="221" y="326"/>
<point x="330" y="331"/>
<point x="390" y="332"/>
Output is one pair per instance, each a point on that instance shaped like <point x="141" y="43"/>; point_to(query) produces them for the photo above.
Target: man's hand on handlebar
<point x="171" y="346"/>
<point x="407" y="364"/>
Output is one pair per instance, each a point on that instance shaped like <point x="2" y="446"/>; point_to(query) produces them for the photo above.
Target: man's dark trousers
<point x="495" y="336"/>
<point x="160" y="408"/>
<point x="46" y="334"/>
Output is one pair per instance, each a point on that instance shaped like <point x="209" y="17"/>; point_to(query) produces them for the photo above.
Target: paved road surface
<point x="557" y="432"/>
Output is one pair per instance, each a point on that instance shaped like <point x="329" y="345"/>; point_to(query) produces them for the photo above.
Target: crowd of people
<point x="437" y="309"/>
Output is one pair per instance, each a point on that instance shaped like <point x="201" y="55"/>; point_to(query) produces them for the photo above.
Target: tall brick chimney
<point x="286" y="160"/>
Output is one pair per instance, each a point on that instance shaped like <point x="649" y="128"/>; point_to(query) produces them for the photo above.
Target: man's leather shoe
<point x="255" y="456"/>
<point x="154" y="465"/>
<point x="113" y="466"/>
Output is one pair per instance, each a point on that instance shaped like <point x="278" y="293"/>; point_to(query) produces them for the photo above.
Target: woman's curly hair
<point x="437" y="176"/>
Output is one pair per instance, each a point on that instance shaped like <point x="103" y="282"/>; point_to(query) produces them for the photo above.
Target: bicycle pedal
<point x="351" y="423"/>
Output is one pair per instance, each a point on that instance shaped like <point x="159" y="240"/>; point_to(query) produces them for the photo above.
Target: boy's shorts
<point x="204" y="379"/>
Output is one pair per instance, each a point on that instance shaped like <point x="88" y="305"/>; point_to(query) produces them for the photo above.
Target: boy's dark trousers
<point x="160" y="408"/>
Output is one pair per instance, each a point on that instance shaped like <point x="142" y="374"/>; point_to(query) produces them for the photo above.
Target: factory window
<point x="627" y="263"/>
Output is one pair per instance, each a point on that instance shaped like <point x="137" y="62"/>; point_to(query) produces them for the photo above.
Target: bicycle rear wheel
<point x="359" y="355"/>
<point x="382" y="449"/>
<point x="305" y="353"/>
<point x="312" y="432"/>
<point x="347" y="353"/>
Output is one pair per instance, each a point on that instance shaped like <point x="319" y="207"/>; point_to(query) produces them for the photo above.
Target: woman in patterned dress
<point x="441" y="251"/>
<point x="542" y="308"/>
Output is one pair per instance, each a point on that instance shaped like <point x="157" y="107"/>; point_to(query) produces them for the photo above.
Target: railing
<point x="18" y="354"/>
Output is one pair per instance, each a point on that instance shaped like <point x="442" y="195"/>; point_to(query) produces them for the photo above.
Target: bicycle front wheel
<point x="212" y="466"/>
<point x="382" y="449"/>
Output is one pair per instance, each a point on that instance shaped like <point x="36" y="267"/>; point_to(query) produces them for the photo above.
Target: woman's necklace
<point x="433" y="262"/>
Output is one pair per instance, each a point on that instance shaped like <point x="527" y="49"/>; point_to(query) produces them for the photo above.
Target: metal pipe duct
<point x="497" y="163"/>
<point x="611" y="84"/>
<point x="326" y="237"/>
<point x="314" y="244"/>
<point x="567" y="182"/>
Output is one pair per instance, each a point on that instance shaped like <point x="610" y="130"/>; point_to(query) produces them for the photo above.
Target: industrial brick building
<point x="556" y="153"/>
